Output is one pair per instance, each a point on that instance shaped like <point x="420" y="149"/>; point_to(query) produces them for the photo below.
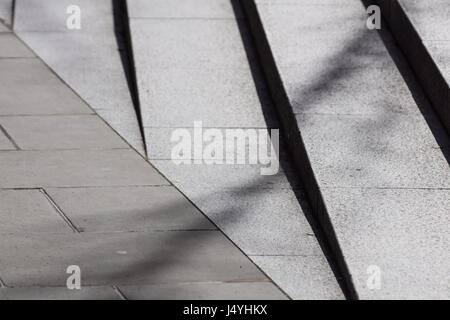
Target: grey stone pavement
<point x="73" y="192"/>
<point x="376" y="148"/>
<point x="78" y="187"/>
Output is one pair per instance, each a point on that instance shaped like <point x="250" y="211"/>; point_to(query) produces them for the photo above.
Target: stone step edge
<point x="297" y="148"/>
<point x="419" y="58"/>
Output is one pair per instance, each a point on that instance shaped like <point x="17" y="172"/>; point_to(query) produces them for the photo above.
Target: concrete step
<point x="372" y="153"/>
<point x="73" y="192"/>
<point x="421" y="30"/>
<point x="87" y="59"/>
<point x="195" y="62"/>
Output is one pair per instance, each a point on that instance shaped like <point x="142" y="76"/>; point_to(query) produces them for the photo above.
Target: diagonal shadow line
<point x="123" y="38"/>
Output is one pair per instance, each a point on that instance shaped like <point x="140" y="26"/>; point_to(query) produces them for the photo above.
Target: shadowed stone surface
<point x="124" y="258"/>
<point x="421" y="29"/>
<point x="376" y="149"/>
<point x="199" y="65"/>
<point x="129" y="209"/>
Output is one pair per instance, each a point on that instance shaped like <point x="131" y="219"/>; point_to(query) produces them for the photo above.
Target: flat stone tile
<point x="430" y="18"/>
<point x="404" y="232"/>
<point x="11" y="47"/>
<point x="5" y="143"/>
<point x="61" y="132"/>
<point x="217" y="97"/>
<point x="217" y="9"/>
<point x="188" y="44"/>
<point x="45" y="93"/>
<point x="124" y="258"/>
<point x="28" y="211"/>
<point x="302" y="277"/>
<point x="384" y="152"/>
<point x="74" y="168"/>
<point x="205" y="291"/>
<point x="129" y="209"/>
<point x="58" y="293"/>
<point x="89" y="62"/>
<point x="51" y="15"/>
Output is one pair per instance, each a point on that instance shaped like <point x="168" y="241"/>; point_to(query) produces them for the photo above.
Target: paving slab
<point x="129" y="209"/>
<point x="72" y="168"/>
<point x="61" y="132"/>
<point x="46" y="94"/>
<point x="88" y="59"/>
<point x="11" y="47"/>
<point x="205" y="291"/>
<point x="58" y="293"/>
<point x="358" y="127"/>
<point x="29" y="211"/>
<point x="200" y="66"/>
<point x="124" y="258"/>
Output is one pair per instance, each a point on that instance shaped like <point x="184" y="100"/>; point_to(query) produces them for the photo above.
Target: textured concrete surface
<point x="199" y="65"/>
<point x="88" y="60"/>
<point x="421" y="29"/>
<point x="74" y="193"/>
<point x="378" y="154"/>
